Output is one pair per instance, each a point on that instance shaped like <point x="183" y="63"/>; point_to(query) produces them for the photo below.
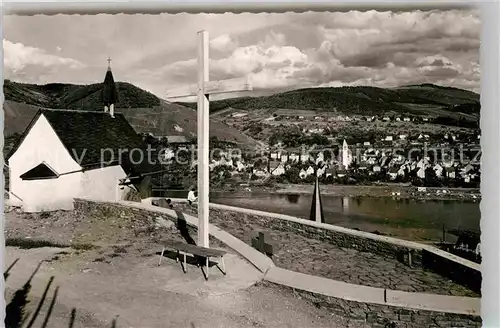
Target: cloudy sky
<point x="279" y="51"/>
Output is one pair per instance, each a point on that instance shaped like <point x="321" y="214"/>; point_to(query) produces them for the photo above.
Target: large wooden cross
<point x="203" y="89"/>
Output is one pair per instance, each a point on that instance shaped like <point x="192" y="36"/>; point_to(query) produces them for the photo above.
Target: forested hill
<point x="73" y="96"/>
<point x="146" y="112"/>
<point x="415" y="99"/>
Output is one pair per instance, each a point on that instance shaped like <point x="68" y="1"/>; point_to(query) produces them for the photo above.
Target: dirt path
<point x="143" y="295"/>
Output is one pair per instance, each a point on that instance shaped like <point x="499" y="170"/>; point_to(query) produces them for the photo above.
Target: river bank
<point x="389" y="190"/>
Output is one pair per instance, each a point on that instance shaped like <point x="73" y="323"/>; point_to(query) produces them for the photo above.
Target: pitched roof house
<point x="64" y="154"/>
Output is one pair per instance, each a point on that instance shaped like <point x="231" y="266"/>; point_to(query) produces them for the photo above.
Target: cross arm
<point x="213" y="87"/>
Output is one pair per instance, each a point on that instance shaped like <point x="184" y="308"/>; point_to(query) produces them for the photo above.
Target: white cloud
<point x="17" y="56"/>
<point x="278" y="50"/>
<point x="223" y="43"/>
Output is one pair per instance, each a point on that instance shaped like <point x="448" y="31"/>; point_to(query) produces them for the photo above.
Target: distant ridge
<point x="73" y="96"/>
<point x="412" y="99"/>
<point x="146" y="112"/>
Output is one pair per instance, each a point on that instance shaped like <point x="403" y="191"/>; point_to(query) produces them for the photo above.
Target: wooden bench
<point x="194" y="250"/>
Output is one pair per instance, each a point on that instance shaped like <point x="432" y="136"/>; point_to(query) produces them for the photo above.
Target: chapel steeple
<point x="109" y="93"/>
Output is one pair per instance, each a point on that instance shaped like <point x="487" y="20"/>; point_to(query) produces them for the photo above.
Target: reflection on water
<point x="345" y="204"/>
<point x="405" y="218"/>
<point x="292" y="198"/>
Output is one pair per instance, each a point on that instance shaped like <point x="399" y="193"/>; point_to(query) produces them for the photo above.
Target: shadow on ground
<point x="197" y="260"/>
<point x="17" y="313"/>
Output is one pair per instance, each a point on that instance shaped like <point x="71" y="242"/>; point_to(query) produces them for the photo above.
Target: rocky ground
<point x="109" y="269"/>
<point x="137" y="293"/>
<point x="311" y="256"/>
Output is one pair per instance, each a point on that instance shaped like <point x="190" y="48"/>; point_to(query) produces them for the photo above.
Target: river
<point x="402" y="218"/>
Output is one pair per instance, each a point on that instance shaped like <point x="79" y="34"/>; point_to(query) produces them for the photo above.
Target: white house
<point x="393" y="173"/>
<point x="64" y="154"/>
<point x="320" y="171"/>
<point x="316" y="130"/>
<point x="240" y="166"/>
<point x="320" y="158"/>
<point x="438" y="169"/>
<point x="341" y="172"/>
<point x="261" y="173"/>
<point x="294" y="157"/>
<point x="421" y="173"/>
<point x="168" y="154"/>
<point x="304" y="158"/>
<point x="450" y="172"/>
<point x="422" y="163"/>
<point x="279" y="170"/>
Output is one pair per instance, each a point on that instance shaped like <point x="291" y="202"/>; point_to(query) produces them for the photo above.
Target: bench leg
<point x="207" y="262"/>
<point x="220" y="263"/>
<point x="161" y="256"/>
<point x="177" y="257"/>
<point x="223" y="265"/>
<point x="185" y="264"/>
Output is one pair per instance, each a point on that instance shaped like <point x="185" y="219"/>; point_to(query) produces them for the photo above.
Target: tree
<point x="431" y="180"/>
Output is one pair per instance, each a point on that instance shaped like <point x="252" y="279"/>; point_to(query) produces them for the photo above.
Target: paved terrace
<point x="361" y="304"/>
<point x="311" y="256"/>
<point x="141" y="294"/>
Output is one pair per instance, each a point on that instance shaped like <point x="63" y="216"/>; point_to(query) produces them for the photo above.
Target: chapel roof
<point x="88" y="133"/>
<point x="109" y="93"/>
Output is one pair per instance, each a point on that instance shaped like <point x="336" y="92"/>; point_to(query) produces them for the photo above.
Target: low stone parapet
<point x="380" y="307"/>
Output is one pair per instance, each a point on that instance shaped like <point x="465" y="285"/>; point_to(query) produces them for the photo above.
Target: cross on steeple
<point x="109" y="62"/>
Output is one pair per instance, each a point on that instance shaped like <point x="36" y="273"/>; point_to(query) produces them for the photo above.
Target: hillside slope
<point x="72" y="96"/>
<point x="146" y="112"/>
<point x="425" y="99"/>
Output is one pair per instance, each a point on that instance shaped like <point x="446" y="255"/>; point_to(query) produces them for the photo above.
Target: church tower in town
<point x="109" y="94"/>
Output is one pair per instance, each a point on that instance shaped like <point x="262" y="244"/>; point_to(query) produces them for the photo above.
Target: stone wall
<point x="371" y="314"/>
<point x="240" y="223"/>
<point x="452" y="270"/>
<point x="135" y="221"/>
<point x="384" y="316"/>
<point x="341" y="240"/>
<point x="345" y="240"/>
